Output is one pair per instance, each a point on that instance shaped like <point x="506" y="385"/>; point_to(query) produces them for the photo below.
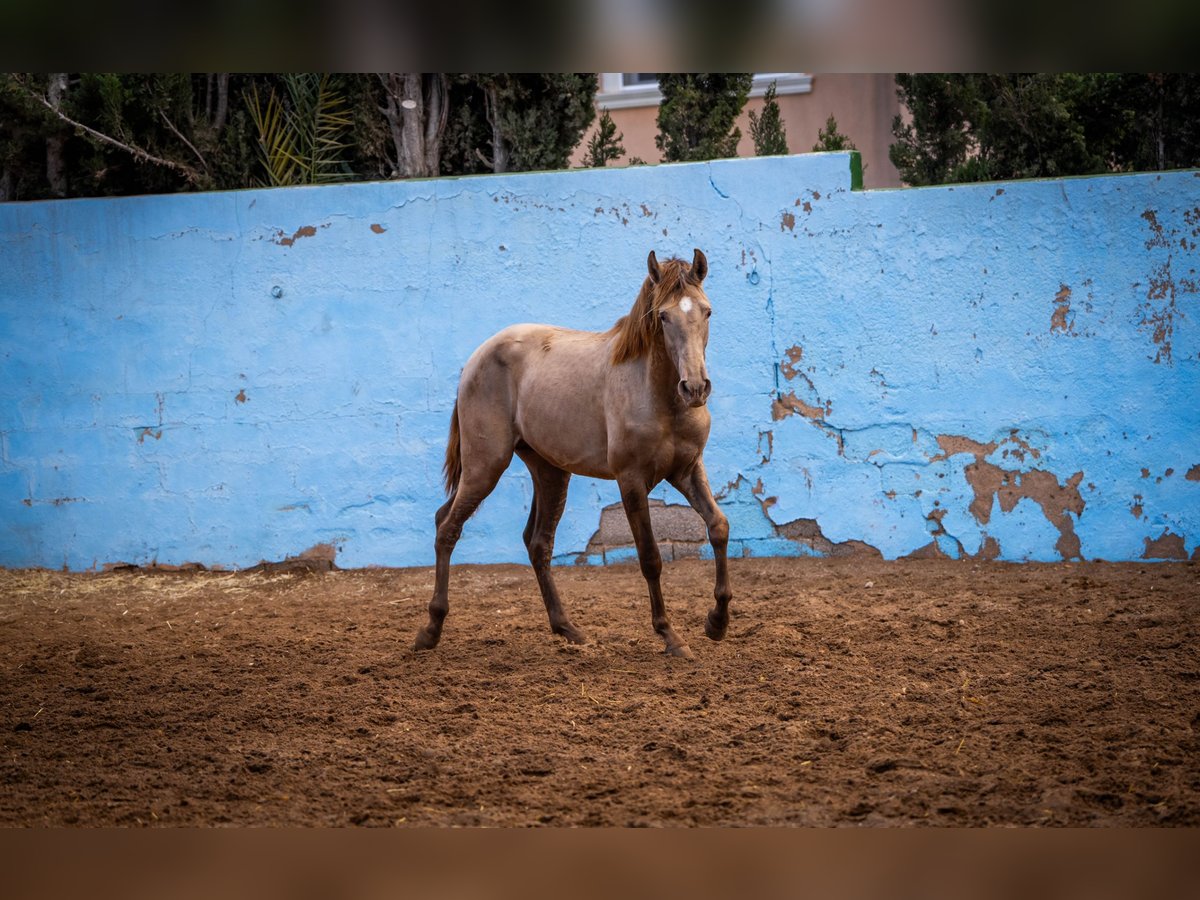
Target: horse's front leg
<point x="637" y="510"/>
<point x="694" y="486"/>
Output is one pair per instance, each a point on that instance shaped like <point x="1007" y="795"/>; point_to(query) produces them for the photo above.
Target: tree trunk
<point x="417" y="109"/>
<point x="56" y="173"/>
<point x="499" y="147"/>
<point x="412" y="113"/>
<point x="218" y="120"/>
<point x="437" y="110"/>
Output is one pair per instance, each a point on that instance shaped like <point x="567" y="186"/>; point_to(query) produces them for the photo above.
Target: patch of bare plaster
<point x="807" y="533"/>
<point x="678" y="528"/>
<point x="1193" y="474"/>
<point x="305" y="231"/>
<point x="991" y="483"/>
<point x="1136" y="508"/>
<point x="789" y="404"/>
<point x="1061" y="319"/>
<point x="787" y="368"/>
<point x="1165" y="546"/>
<point x="318" y="558"/>
<point x="788" y="221"/>
<point x="377" y="228"/>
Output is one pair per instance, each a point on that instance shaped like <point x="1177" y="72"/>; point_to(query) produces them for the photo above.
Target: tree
<point x="417" y="107"/>
<point x="697" y="115"/>
<point x="73" y="135"/>
<point x="829" y="138"/>
<point x="101" y="134"/>
<point x="767" y="131"/>
<point x="978" y="127"/>
<point x="605" y="144"/>
<point x="516" y="123"/>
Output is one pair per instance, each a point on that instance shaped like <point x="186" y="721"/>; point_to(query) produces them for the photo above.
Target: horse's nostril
<point x="695" y="391"/>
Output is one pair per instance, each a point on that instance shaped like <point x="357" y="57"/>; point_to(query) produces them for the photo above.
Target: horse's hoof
<point x="425" y="640"/>
<point x="571" y="634"/>
<point x="682" y="651"/>
<point x="713" y="630"/>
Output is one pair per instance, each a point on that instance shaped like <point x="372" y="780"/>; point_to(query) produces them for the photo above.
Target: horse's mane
<point x="637" y="332"/>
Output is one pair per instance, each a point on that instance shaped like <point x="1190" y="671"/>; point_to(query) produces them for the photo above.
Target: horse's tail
<point x="453" y="465"/>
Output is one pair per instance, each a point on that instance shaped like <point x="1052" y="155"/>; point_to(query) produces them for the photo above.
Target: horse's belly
<point x="567" y="435"/>
<point x="573" y="450"/>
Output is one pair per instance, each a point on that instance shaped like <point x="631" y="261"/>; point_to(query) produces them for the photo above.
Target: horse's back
<point x="532" y="349"/>
<point x="549" y="383"/>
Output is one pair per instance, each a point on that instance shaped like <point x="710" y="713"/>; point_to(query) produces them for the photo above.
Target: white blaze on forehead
<point x="686" y="304"/>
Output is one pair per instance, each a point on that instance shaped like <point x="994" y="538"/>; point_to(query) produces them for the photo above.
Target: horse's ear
<point x="699" y="266"/>
<point x="652" y="266"/>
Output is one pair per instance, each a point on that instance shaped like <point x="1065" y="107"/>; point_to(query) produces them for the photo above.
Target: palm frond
<point x="302" y="140"/>
<point x="276" y="139"/>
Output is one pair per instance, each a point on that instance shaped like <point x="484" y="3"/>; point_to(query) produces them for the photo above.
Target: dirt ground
<point x="848" y="692"/>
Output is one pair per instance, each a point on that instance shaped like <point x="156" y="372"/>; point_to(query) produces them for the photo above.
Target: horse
<point x="627" y="404"/>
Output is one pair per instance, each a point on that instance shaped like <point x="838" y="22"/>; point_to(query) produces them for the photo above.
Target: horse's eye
<point x="662" y="317"/>
<point x="708" y="314"/>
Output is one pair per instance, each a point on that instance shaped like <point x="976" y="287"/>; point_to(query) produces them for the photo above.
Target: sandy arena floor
<point x="848" y="692"/>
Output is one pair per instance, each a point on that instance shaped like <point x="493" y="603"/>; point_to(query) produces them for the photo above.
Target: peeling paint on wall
<point x="1062" y="320"/>
<point x="1165" y="287"/>
<point x="305" y="231"/>
<point x="1058" y="501"/>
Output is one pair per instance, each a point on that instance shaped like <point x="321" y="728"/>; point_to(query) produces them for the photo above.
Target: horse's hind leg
<point x="482" y="468"/>
<point x="549" y="498"/>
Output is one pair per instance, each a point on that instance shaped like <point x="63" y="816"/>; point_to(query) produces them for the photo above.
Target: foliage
<point x="97" y="134"/>
<point x="516" y="123"/>
<point x="767" y="131"/>
<point x="73" y="135"/>
<point x="829" y="138"/>
<point x="697" y="115"/>
<point x="978" y="127"/>
<point x="121" y="134"/>
<point x="605" y="144"/>
<point x="302" y="130"/>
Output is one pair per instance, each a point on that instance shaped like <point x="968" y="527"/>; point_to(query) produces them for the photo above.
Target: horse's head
<point x="683" y="309"/>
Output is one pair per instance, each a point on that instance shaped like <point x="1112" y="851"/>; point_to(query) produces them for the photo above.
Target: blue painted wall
<point x="997" y="370"/>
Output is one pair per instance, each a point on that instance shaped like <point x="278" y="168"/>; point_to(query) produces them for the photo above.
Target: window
<point x="621" y="90"/>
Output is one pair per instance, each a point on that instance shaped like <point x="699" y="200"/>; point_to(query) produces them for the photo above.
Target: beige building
<point x="864" y="106"/>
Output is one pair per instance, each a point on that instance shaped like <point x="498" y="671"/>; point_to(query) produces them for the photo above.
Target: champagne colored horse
<point x="626" y="404"/>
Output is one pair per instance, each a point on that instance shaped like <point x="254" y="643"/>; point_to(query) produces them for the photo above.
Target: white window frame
<point x="615" y="94"/>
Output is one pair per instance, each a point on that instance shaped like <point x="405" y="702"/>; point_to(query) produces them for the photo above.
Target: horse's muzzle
<point x="695" y="393"/>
